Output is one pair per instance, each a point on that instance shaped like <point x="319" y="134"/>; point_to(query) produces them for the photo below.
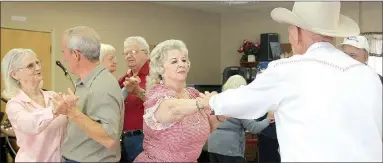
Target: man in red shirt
<point x="136" y="54"/>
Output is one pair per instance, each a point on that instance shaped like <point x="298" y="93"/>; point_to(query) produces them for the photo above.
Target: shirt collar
<point x="144" y="70"/>
<point x="91" y="76"/>
<point x="25" y="98"/>
<point x="319" y="45"/>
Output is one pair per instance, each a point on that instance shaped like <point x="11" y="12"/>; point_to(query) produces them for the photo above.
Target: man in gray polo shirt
<point x="95" y="124"/>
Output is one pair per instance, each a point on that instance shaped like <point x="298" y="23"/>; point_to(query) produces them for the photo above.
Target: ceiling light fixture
<point x="234" y="2"/>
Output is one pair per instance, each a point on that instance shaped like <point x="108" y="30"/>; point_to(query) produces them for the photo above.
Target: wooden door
<point x="39" y="42"/>
<point x="286" y="47"/>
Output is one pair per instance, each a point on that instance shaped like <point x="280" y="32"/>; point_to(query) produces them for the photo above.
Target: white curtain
<point x="375" y="59"/>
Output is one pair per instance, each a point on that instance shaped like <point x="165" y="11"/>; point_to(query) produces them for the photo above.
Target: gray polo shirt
<point x="101" y="100"/>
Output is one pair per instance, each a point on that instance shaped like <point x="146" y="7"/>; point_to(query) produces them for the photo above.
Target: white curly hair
<point x="106" y="49"/>
<point x="233" y="82"/>
<point x="139" y="41"/>
<point x="157" y="58"/>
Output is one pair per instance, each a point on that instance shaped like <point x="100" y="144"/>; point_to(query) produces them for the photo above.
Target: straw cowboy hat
<point x="322" y="18"/>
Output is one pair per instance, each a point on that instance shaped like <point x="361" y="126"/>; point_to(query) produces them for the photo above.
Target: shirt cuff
<point x="110" y="130"/>
<point x="214" y="108"/>
<point x="47" y="113"/>
<point x="124" y="92"/>
<point x="265" y="122"/>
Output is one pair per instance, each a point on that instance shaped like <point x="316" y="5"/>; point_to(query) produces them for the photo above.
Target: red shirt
<point x="134" y="107"/>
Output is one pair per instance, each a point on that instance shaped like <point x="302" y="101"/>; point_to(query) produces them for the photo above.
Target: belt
<point x="131" y="133"/>
<point x="228" y="129"/>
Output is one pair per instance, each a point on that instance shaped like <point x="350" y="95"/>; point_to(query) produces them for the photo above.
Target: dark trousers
<point x="268" y="149"/>
<point x="3" y="151"/>
<point x="214" y="157"/>
<point x="203" y="157"/>
<point x="70" y="161"/>
<point x="132" y="147"/>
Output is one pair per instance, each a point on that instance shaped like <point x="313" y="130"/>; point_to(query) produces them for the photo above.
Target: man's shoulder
<point x="287" y="61"/>
<point x="332" y="59"/>
<point x="105" y="78"/>
<point x="285" y="65"/>
<point x="106" y="83"/>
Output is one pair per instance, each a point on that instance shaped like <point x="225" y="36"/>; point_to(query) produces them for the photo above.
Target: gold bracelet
<point x="198" y="106"/>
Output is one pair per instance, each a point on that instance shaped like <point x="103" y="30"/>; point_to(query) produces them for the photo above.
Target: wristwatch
<point x="198" y="104"/>
<point x="142" y="95"/>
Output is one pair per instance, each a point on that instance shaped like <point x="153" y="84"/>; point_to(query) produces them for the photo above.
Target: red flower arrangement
<point x="248" y="48"/>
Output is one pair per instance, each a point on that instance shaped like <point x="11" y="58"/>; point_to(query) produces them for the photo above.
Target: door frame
<point x="53" y="47"/>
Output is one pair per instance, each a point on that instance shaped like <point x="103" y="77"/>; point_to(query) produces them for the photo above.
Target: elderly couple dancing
<point x="324" y="117"/>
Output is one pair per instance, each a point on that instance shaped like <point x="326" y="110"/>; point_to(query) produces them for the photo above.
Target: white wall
<point x="115" y="21"/>
<point x="212" y="39"/>
<point x="249" y="25"/>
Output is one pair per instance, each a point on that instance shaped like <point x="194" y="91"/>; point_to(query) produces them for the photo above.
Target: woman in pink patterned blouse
<point x="176" y="125"/>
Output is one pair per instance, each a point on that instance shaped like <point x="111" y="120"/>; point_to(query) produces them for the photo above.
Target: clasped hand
<point x="205" y="97"/>
<point x="64" y="103"/>
<point x="270" y="116"/>
<point x="132" y="84"/>
<point x="205" y="101"/>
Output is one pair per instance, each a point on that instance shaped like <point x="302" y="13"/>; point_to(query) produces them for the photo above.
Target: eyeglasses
<point x="112" y="58"/>
<point x="132" y="52"/>
<point x="32" y="66"/>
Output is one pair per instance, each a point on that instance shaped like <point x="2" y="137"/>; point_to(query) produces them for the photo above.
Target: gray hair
<point x="233" y="82"/>
<point x="106" y="49"/>
<point x="137" y="40"/>
<point x="157" y="58"/>
<point x="84" y="39"/>
<point x="10" y="63"/>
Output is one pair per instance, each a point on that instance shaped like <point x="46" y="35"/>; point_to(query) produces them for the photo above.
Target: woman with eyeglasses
<point x="108" y="57"/>
<point x="30" y="110"/>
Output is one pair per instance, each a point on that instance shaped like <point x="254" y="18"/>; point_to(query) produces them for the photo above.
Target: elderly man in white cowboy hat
<point x="328" y="106"/>
<point x="357" y="47"/>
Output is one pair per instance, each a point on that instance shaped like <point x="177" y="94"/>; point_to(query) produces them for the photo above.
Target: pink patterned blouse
<point x="180" y="141"/>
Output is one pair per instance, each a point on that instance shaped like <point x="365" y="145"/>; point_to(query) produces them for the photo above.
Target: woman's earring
<point x="161" y="79"/>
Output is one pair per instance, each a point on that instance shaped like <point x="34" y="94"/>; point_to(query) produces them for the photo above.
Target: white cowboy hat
<point x="356" y="41"/>
<point x="323" y="18"/>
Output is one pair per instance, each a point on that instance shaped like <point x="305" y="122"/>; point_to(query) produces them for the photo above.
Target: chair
<point x="233" y="70"/>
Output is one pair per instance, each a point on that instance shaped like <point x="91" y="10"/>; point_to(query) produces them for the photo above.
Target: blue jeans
<point x="69" y="161"/>
<point x="132" y="147"/>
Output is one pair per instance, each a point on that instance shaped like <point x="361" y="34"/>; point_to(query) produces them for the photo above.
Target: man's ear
<point x="294" y="33"/>
<point x="77" y="54"/>
<point x="365" y="53"/>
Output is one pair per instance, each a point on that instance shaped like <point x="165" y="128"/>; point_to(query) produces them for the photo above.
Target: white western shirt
<point x="328" y="106"/>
